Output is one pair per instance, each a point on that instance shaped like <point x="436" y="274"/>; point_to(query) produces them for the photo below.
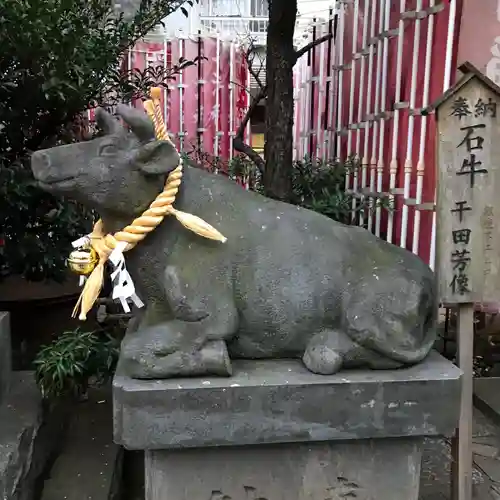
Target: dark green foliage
<point x="316" y="185"/>
<point x="243" y="170"/>
<point x="58" y="58"/>
<point x="65" y="366"/>
<point x="320" y="186"/>
<point x="37" y="229"/>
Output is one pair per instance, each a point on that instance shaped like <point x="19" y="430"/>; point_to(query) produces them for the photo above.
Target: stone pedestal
<point x="274" y="431"/>
<point x="362" y="470"/>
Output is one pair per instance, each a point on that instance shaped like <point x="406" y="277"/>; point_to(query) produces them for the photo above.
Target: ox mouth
<point x="54" y="183"/>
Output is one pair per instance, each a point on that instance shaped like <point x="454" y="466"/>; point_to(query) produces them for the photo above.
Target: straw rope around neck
<point x="140" y="227"/>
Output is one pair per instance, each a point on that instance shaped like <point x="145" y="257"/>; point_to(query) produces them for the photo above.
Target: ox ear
<point x="157" y="158"/>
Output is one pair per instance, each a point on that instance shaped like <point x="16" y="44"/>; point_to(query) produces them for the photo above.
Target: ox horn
<point x="106" y="121"/>
<point x="138" y="121"/>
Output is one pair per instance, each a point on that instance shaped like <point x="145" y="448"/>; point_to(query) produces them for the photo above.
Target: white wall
<point x="177" y="23"/>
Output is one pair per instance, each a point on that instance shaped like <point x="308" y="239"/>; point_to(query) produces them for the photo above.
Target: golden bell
<point x="83" y="261"/>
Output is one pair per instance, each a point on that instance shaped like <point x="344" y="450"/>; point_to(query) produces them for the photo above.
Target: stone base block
<point x="274" y="431"/>
<point x="279" y="401"/>
<point x="380" y="469"/>
<point x="5" y="355"/>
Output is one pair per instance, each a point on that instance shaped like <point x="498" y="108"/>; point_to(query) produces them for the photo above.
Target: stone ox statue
<point x="288" y="283"/>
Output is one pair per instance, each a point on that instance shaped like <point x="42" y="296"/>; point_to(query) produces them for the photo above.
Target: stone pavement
<point x="435" y="480"/>
<point x="89" y="466"/>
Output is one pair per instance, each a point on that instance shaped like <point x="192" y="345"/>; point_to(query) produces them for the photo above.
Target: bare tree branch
<point x="242" y="87"/>
<point x="306" y="48"/>
<point x="255" y="102"/>
<point x="250" y="57"/>
<point x="238" y="142"/>
<point x="240" y="146"/>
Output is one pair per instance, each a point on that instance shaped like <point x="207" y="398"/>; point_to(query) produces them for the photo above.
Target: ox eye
<point x="108" y="150"/>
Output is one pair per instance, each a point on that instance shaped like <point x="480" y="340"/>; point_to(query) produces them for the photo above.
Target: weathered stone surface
<point x="20" y="421"/>
<point x="280" y="401"/>
<point x="486" y="391"/>
<point x="289" y="282"/>
<point x="491" y="467"/>
<point x="29" y="437"/>
<point x="364" y="470"/>
<point x="434" y="476"/>
<point x="485" y="450"/>
<point x="5" y="355"/>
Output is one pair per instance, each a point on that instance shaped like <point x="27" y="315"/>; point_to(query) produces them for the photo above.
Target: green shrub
<point x="58" y="58"/>
<point x="317" y="185"/>
<point x="65" y="366"/>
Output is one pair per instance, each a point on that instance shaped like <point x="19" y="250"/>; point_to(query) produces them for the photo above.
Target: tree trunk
<point x="279" y="108"/>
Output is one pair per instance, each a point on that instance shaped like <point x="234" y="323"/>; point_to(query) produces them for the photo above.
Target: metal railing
<point x="244" y="28"/>
<point x="247" y="19"/>
<point x="232" y="8"/>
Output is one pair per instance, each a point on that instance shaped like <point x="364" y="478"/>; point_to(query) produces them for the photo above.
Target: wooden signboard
<point x="468" y="244"/>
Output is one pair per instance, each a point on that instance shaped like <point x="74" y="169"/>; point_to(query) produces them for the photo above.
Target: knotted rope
<point x="140" y="227"/>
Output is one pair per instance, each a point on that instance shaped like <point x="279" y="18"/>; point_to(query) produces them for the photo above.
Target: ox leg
<point x="179" y="348"/>
<point x="186" y="334"/>
<point x="331" y="350"/>
<point x="154" y="361"/>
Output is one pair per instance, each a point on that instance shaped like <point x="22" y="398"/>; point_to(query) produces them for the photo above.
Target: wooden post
<point x="468" y="247"/>
<point x="462" y="441"/>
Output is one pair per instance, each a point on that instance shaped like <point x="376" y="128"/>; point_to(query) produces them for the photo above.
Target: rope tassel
<point x="130" y="236"/>
<point x="198" y="226"/>
<point x="90" y="292"/>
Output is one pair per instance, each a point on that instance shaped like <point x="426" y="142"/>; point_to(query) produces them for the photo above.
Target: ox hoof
<point x="322" y="359"/>
<point x="216" y="358"/>
<point x="211" y="360"/>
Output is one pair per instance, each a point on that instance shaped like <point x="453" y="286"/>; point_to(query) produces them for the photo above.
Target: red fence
<point x="364" y="97"/>
<point x="206" y="102"/>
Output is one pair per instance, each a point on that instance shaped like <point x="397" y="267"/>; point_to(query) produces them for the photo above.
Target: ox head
<point x="119" y="173"/>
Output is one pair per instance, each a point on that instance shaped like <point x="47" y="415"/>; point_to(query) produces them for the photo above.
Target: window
<point x="259" y="8"/>
<point x="224" y="7"/>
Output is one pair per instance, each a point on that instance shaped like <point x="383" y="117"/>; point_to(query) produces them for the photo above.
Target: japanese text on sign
<point x="472" y="165"/>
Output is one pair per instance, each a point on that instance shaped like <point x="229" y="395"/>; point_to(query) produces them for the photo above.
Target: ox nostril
<point x="43" y="159"/>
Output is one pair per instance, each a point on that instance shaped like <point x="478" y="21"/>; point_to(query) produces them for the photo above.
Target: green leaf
<point x="72" y="358"/>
